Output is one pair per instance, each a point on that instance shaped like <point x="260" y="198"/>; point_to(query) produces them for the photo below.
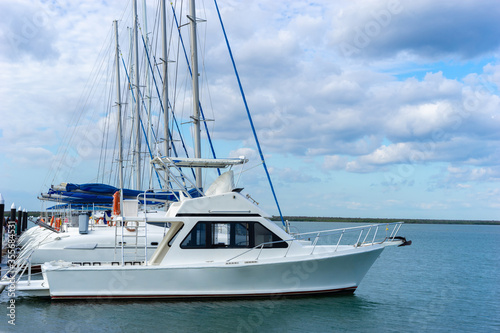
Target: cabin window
<point x="262" y="235"/>
<point x="197" y="238"/>
<point x="231" y="235"/>
<point x="240" y="236"/>
<point x="221" y="234"/>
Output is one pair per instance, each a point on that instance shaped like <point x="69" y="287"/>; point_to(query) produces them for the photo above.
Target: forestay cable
<point x="248" y="113"/>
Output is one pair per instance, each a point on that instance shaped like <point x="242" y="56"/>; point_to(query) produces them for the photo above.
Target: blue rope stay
<point x="153" y="75"/>
<point x="191" y="73"/>
<point x="248" y="113"/>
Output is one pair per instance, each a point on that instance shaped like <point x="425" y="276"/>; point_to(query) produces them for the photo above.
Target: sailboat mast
<point x="165" y="81"/>
<point x="119" y="104"/>
<point x="137" y="151"/>
<point x="196" y="93"/>
<point x="147" y="93"/>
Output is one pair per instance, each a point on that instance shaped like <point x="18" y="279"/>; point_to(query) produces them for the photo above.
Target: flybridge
<point x="101" y="194"/>
<point x="180" y="162"/>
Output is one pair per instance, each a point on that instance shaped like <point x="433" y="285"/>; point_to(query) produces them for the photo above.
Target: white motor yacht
<point x="224" y="245"/>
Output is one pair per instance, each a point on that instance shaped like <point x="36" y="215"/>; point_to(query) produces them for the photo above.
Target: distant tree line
<point x="380" y="220"/>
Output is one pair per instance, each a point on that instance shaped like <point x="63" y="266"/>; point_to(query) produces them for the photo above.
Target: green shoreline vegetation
<point x="381" y="220"/>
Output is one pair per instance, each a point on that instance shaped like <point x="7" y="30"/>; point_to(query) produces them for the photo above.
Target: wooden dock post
<point x="19" y="220"/>
<point x="25" y="220"/>
<point x="13" y="213"/>
<point x="2" y="222"/>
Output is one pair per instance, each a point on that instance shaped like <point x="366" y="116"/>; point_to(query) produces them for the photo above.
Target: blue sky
<point x="363" y="108"/>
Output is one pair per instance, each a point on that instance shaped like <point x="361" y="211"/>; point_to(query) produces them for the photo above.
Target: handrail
<point x="160" y="164"/>
<point x="260" y="246"/>
<point x="16" y="271"/>
<point x="339" y="231"/>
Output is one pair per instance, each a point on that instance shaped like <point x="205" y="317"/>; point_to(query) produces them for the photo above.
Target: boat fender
<point x="116" y="203"/>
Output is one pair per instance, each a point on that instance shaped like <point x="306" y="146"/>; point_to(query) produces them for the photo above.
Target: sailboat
<point x="221" y="244"/>
<point x="99" y="242"/>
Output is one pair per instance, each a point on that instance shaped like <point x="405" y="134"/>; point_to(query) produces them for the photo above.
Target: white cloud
<point x="248" y="153"/>
<point x="425" y="29"/>
<point x="410" y="96"/>
<point x="468" y="174"/>
<point x="335" y="162"/>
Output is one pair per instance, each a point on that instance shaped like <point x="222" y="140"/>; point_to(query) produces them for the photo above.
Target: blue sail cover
<point x="78" y="195"/>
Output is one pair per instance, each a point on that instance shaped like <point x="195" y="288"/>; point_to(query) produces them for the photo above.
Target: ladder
<point x="130" y="242"/>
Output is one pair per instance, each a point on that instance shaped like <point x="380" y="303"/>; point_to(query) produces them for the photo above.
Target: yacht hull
<point x="35" y="288"/>
<point x="312" y="275"/>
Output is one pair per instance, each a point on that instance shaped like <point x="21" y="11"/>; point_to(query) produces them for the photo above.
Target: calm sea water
<point x="447" y="281"/>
